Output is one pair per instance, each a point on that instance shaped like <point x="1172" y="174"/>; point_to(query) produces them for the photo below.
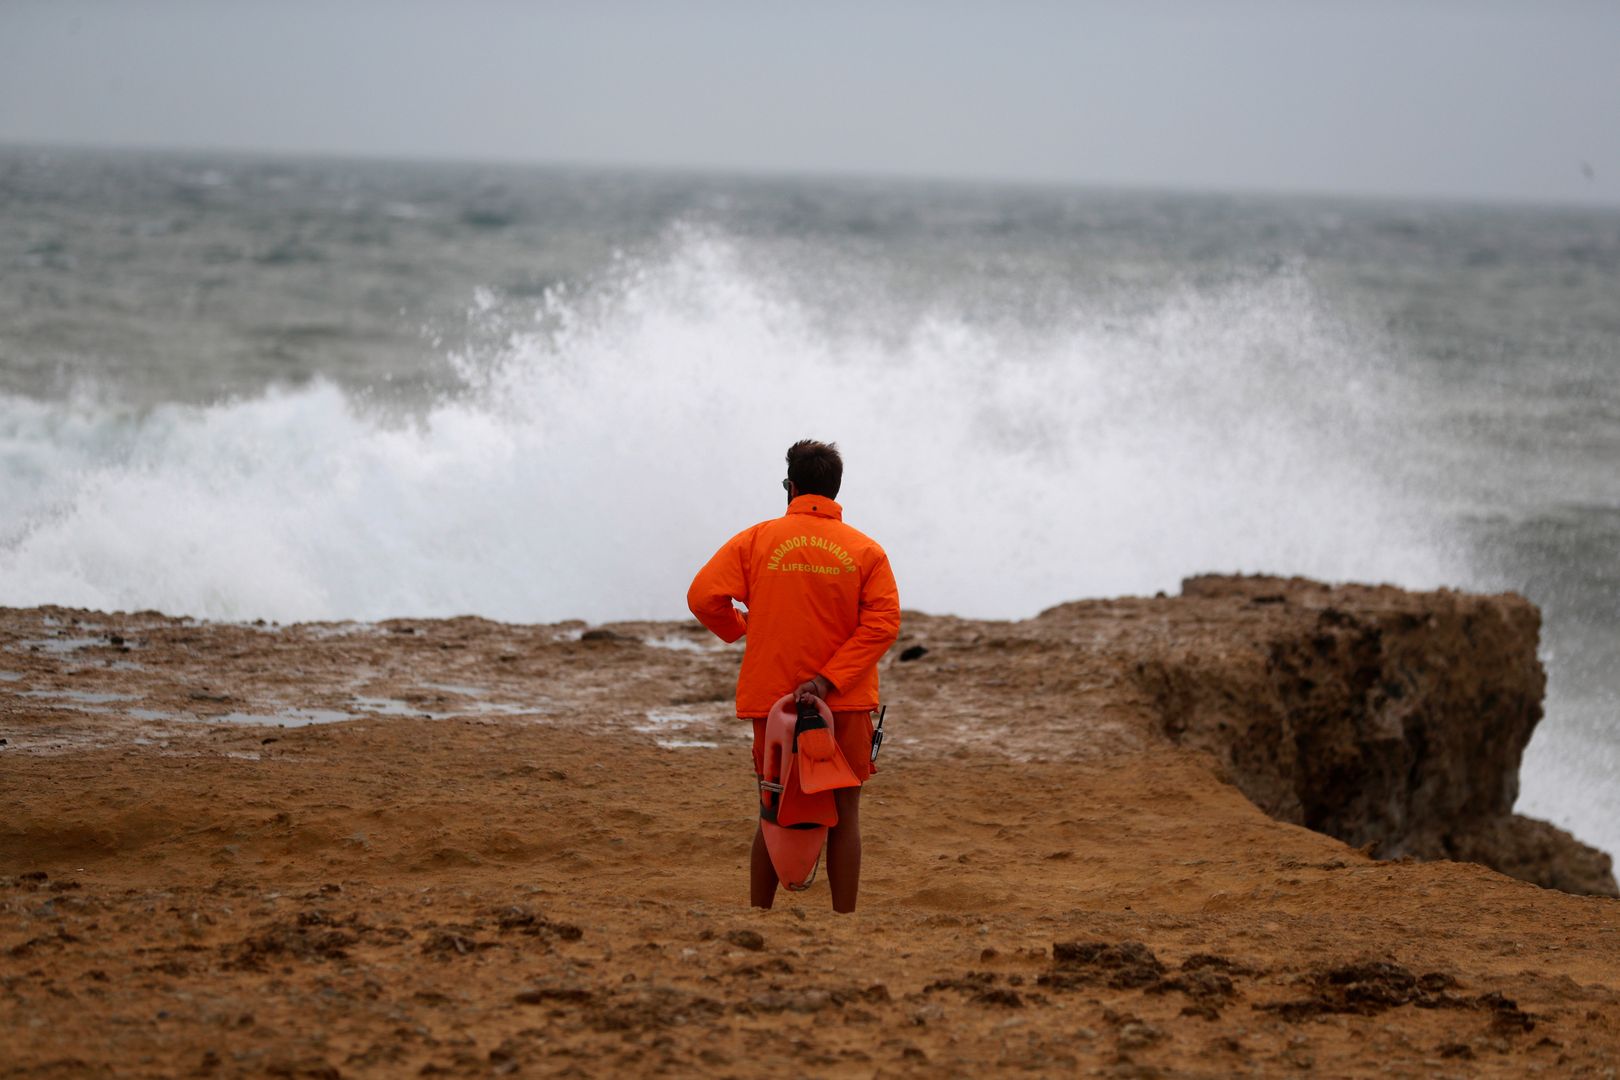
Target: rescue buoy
<point x="794" y="822"/>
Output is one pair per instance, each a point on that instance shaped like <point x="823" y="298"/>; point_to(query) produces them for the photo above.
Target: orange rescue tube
<point x="793" y="824"/>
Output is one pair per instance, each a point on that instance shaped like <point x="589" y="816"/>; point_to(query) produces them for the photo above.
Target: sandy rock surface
<point x="465" y="848"/>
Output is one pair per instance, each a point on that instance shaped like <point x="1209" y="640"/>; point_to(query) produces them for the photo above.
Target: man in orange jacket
<point x="822" y="609"/>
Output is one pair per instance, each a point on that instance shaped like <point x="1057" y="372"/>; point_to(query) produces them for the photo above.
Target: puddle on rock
<point x="456" y="688"/>
<point x="284" y="718"/>
<point x="60" y="646"/>
<point x="383" y="706"/>
<point x="322" y="631"/>
<point x="666" y="720"/>
<point x="682" y="644"/>
<point x="674" y="728"/>
<point x="157" y="714"/>
<point x="386" y="706"/>
<point x="79" y="696"/>
<point x="503" y="708"/>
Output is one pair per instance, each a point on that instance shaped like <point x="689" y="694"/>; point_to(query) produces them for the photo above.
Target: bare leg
<point x="844" y="851"/>
<point x="761" y="874"/>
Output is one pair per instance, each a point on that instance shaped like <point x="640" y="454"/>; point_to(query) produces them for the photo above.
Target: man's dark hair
<point x="815" y="468"/>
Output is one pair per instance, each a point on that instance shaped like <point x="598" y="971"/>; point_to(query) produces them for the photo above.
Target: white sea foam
<point x="590" y="465"/>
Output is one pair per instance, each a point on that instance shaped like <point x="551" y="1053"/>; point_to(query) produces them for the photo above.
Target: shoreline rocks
<point x="1393" y="720"/>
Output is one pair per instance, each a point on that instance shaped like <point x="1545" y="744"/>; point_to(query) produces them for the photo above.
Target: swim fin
<point x="818" y="762"/>
<point x="800" y="807"/>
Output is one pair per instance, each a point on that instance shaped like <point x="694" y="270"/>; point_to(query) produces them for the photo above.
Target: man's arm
<point x="722" y="579"/>
<point x="879" y="626"/>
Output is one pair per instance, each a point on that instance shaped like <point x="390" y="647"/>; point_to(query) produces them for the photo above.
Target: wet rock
<point x="1000" y="997"/>
<point x="447" y="943"/>
<point x="655" y="1007"/>
<point x="298" y="939"/>
<point x="540" y="995"/>
<point x="774" y="965"/>
<point x="1506" y="1016"/>
<point x="1371" y="987"/>
<point x="972" y="982"/>
<point x="747" y="939"/>
<point x="524" y="920"/>
<point x="1211" y="962"/>
<point x="1121" y="966"/>
<point x="303" y="1069"/>
<point x="1202" y="984"/>
<point x="1138" y="1035"/>
<point x="1208" y="980"/>
<point x="809" y="1000"/>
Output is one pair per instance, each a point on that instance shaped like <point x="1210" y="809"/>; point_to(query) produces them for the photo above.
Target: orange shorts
<point x="854" y="733"/>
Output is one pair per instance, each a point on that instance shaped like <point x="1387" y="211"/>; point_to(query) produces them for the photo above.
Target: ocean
<point x="243" y="387"/>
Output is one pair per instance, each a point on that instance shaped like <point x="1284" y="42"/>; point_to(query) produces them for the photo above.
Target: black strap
<point x="809" y="720"/>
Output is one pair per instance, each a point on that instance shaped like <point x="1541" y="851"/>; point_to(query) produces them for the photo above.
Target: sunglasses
<point x="787" y="485"/>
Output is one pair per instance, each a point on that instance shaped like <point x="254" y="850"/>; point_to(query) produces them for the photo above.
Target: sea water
<point x="237" y="387"/>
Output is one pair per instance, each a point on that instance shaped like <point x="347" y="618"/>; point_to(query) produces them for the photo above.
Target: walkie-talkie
<point x="877" y="733"/>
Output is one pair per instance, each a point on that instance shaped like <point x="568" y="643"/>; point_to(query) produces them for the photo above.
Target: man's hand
<point x="815" y="687"/>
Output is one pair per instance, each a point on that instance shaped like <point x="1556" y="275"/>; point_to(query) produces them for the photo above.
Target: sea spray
<point x="591" y="461"/>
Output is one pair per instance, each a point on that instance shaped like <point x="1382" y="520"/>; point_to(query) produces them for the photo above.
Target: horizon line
<point x="828" y="175"/>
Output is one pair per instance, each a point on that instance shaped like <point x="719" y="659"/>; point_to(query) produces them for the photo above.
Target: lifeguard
<point x="822" y="609"/>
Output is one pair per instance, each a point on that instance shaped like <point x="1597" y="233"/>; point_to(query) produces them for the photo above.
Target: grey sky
<point x="1424" y="97"/>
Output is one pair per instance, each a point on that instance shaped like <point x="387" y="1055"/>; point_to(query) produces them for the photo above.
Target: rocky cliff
<point x="1392" y="720"/>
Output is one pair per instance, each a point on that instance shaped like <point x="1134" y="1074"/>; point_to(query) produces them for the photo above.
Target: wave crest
<point x="590" y="462"/>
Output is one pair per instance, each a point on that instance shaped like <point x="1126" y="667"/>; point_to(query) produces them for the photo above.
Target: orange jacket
<point x="821" y="601"/>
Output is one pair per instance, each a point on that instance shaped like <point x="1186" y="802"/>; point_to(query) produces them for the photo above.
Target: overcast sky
<point x="1477" y="100"/>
